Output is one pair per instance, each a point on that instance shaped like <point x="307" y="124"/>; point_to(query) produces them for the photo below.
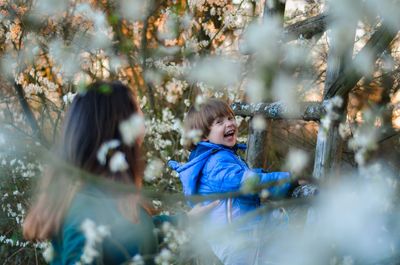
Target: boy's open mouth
<point x="229" y="133"/>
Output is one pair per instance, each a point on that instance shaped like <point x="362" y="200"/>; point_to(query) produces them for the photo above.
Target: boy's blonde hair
<point x="201" y="117"/>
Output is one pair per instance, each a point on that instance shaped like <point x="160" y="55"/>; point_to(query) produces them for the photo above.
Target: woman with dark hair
<point x="88" y="223"/>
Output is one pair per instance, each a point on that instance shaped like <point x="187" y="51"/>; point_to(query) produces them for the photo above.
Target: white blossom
<point x="157" y="203"/>
<point x="137" y="260"/>
<point x="216" y="71"/>
<point x="118" y="162"/>
<point x="344" y="130"/>
<point x="164" y="257"/>
<point x="69" y="97"/>
<point x="153" y="170"/>
<point x="48" y="253"/>
<point x="50" y="7"/>
<point x="104" y="150"/>
<point x="264" y="194"/>
<point x="135" y="9"/>
<point x="191" y="137"/>
<point x="2" y="139"/>
<point x="94" y="235"/>
<point x="132" y="128"/>
<point x="255" y="90"/>
<point x="250" y="182"/>
<point x="200" y="99"/>
<point x="284" y="90"/>
<point x="263" y="40"/>
<point x="296" y="160"/>
<point x="331" y="115"/>
<point x="259" y="123"/>
<point x="364" y="63"/>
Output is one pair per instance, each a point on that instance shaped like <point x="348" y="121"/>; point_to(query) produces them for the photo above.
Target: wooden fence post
<point x="256" y="155"/>
<point x="329" y="143"/>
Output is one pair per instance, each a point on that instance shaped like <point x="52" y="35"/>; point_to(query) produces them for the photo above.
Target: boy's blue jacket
<point x="214" y="168"/>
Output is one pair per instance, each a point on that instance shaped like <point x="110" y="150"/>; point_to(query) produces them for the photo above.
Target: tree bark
<point x="329" y="146"/>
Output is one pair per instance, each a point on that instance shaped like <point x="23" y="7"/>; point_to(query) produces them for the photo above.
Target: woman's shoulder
<point x="90" y="210"/>
<point x="97" y="207"/>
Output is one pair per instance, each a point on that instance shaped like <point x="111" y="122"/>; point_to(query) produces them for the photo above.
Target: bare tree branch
<point x="379" y="41"/>
<point x="306" y="28"/>
<point x="30" y="118"/>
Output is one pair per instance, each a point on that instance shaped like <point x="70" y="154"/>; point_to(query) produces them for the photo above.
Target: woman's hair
<point x="202" y="117"/>
<point x="92" y="119"/>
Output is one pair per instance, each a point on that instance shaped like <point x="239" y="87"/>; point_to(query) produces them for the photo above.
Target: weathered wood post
<point x="342" y="85"/>
<point x="309" y="111"/>
<point x="256" y="155"/>
<point x="329" y="143"/>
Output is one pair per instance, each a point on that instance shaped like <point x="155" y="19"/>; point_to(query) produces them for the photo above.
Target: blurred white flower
<point x="249" y="182"/>
<point x="118" y="162"/>
<point x="65" y="57"/>
<point x="284" y="90"/>
<point x="169" y="30"/>
<point x="255" y="90"/>
<point x="132" y="128"/>
<point x="296" y="55"/>
<point x="50" y="7"/>
<point x="48" y="253"/>
<point x="216" y="71"/>
<point x="2" y="139"/>
<point x="296" y="161"/>
<point x="135" y="9"/>
<point x="174" y="89"/>
<point x="164" y="257"/>
<point x="347" y="260"/>
<point x="137" y="260"/>
<point x="8" y="65"/>
<point x="344" y="130"/>
<point x="191" y="137"/>
<point x="104" y="149"/>
<point x="259" y="123"/>
<point x="388" y="10"/>
<point x="94" y="235"/>
<point x="331" y="115"/>
<point x="365" y="63"/>
<point x="365" y="137"/>
<point x="156" y="203"/>
<point x="153" y="77"/>
<point x="349" y="209"/>
<point x="200" y="99"/>
<point x="263" y="40"/>
<point x="186" y="21"/>
<point x="264" y="194"/>
<point x="153" y="170"/>
<point x="69" y="97"/>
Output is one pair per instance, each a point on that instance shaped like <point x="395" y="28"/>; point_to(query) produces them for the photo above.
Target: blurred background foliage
<point x="172" y="54"/>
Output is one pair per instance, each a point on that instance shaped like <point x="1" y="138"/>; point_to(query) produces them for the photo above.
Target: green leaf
<point x="105" y="89"/>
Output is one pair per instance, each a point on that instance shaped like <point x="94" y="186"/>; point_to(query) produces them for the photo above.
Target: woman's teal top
<point x="126" y="239"/>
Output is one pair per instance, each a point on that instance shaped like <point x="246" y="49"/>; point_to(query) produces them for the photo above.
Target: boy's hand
<point x="198" y="211"/>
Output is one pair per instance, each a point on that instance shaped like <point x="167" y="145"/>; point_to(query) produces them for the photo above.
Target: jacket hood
<point x="190" y="172"/>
